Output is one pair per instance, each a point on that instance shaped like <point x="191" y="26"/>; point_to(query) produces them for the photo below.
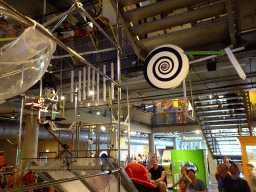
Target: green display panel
<point x="196" y="157"/>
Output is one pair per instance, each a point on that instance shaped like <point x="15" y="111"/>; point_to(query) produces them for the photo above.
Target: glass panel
<point x="71" y="167"/>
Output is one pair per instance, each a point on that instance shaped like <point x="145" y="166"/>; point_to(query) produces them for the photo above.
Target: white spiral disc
<point x="166" y="67"/>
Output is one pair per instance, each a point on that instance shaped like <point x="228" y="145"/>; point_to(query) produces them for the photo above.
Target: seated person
<point x="196" y="184"/>
<point x="183" y="177"/>
<point x="183" y="186"/>
<point x="157" y="175"/>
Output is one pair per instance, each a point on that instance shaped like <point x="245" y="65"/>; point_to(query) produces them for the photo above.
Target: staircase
<point x="221" y="118"/>
<point x="187" y="23"/>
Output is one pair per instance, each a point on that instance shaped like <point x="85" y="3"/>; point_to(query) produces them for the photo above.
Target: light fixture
<point x="98" y="113"/>
<point x="197" y="131"/>
<point x="91" y="93"/>
<point x="78" y="114"/>
<point x="47" y="150"/>
<point x="125" y="131"/>
<point x="12" y="114"/>
<point x="103" y="128"/>
<point x="62" y="98"/>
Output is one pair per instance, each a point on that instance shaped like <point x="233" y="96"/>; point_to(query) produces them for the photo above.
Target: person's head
<point x="191" y="174"/>
<point x="3" y="167"/>
<point x="234" y="169"/>
<point x="65" y="24"/>
<point x="153" y="161"/>
<point x="250" y="167"/>
<point x="183" y="184"/>
<point x="3" y="23"/>
<point x="226" y="161"/>
<point x="222" y="170"/>
<point x="183" y="171"/>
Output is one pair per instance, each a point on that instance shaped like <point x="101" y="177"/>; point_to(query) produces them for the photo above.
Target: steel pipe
<point x="55" y="182"/>
<point x="85" y="53"/>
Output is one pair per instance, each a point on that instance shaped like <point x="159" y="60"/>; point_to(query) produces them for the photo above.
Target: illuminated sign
<point x="191" y="137"/>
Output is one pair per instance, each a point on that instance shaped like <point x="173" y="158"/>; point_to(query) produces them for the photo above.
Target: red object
<point x="29" y="178"/>
<point x="138" y="174"/>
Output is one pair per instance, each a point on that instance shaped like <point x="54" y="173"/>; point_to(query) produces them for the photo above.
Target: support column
<point x="174" y="143"/>
<point x="151" y="148"/>
<point x="30" y="142"/>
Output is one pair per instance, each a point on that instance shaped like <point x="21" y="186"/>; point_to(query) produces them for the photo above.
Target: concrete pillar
<point x="174" y="143"/>
<point x="152" y="152"/>
<point x="30" y="142"/>
<point x="151" y="143"/>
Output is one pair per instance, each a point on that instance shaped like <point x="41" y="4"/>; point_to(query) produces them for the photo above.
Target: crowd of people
<point x="187" y="182"/>
<point x="229" y="180"/>
<point x="227" y="175"/>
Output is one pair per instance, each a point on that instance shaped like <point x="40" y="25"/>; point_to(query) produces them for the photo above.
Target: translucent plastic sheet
<point x="24" y="56"/>
<point x="58" y="169"/>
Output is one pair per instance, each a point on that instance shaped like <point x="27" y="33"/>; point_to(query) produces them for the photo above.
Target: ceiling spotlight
<point x="197" y="131"/>
<point x="103" y="128"/>
<point x="62" y="98"/>
<point x="12" y="114"/>
<point x="98" y="113"/>
<point x="91" y="93"/>
<point x="125" y="131"/>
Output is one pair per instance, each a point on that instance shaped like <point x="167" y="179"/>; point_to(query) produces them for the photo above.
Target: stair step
<point x="125" y="3"/>
<point x="157" y="8"/>
<point x="219" y="99"/>
<point x="222" y="120"/>
<point x="179" y="19"/>
<point x="219" y="110"/>
<point x="201" y="116"/>
<point x="196" y="36"/>
<point x="221" y="104"/>
<point x="225" y="125"/>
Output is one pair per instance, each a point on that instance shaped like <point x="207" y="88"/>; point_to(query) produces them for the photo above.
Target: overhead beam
<point x="231" y="24"/>
<point x="139" y="52"/>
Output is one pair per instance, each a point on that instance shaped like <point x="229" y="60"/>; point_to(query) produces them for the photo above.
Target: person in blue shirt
<point x="235" y="183"/>
<point x="196" y="185"/>
<point x="222" y="171"/>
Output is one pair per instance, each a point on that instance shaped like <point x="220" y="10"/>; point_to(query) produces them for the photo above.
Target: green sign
<point x="183" y="156"/>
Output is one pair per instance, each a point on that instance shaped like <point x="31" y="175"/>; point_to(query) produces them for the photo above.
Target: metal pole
<point x="119" y="92"/>
<point x="20" y="128"/>
<point x="129" y="124"/>
<point x="77" y="140"/>
<point x="97" y="25"/>
<point x="62" y="16"/>
<point x="85" y="53"/>
<point x="40" y="96"/>
<point x="77" y="136"/>
<point x="55" y="182"/>
<point x="44" y="31"/>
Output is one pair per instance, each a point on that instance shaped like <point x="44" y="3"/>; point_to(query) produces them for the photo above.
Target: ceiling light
<point x="197" y="131"/>
<point x="12" y="115"/>
<point x="62" y="98"/>
<point x="103" y="128"/>
<point x="125" y="131"/>
<point x="98" y="113"/>
<point x="91" y="93"/>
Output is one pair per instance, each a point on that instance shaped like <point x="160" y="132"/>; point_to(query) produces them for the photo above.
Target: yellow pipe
<point x="8" y="39"/>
